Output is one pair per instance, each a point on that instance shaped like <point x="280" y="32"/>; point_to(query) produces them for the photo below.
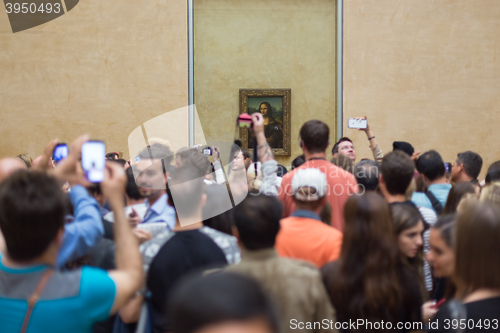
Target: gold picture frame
<point x="278" y="128"/>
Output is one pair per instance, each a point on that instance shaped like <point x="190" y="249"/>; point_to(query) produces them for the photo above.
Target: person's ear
<point x="203" y="200"/>
<point x="425" y="179"/>
<point x="303" y="146"/>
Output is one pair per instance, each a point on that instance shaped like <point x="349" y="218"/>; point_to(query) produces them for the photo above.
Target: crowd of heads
<point x="399" y="246"/>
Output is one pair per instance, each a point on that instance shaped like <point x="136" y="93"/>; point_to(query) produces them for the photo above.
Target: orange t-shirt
<point x="308" y="239"/>
<point x="341" y="185"/>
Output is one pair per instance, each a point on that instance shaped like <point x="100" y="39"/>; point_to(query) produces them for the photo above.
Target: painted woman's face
<point x="263" y="109"/>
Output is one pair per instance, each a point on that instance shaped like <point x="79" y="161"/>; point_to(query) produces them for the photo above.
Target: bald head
<point x="10" y="165"/>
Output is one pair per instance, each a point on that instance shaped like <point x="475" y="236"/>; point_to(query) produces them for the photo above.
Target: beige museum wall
<point x="104" y="68"/>
<point x="424" y="71"/>
<point x="264" y="44"/>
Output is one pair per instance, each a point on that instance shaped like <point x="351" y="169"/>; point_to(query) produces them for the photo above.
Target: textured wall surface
<point x="424" y="71"/>
<point x="103" y="68"/>
<point x="264" y="44"/>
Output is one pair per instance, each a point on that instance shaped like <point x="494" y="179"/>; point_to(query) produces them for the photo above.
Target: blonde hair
<point x="26" y="159"/>
<point x="491" y="193"/>
<point x="467" y="199"/>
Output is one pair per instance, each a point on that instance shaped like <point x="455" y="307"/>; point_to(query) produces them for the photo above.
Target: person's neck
<point x="189" y="222"/>
<point x="464" y="178"/>
<point x="152" y="200"/>
<point x="441" y="180"/>
<point x="316" y="211"/>
<point x="319" y="155"/>
<point x="48" y="258"/>
<point x="481" y="294"/>
<point x="392" y="198"/>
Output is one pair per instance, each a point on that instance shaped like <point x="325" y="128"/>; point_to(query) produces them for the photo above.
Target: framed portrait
<point x="275" y="106"/>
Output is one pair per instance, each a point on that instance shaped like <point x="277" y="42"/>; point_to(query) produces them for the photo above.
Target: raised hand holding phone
<point x="264" y="151"/>
<point x="44" y="162"/>
<point x="69" y="169"/>
<point x="359" y="123"/>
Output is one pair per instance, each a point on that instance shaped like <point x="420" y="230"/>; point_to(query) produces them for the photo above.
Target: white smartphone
<point x="94" y="160"/>
<point x="357" y="123"/>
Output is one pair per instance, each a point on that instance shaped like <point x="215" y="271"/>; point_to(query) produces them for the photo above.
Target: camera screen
<point x="60" y="153"/>
<point x="207" y="151"/>
<point x="93" y="160"/>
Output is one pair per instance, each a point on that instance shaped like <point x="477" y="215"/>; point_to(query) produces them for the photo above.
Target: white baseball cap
<point x="309" y="178"/>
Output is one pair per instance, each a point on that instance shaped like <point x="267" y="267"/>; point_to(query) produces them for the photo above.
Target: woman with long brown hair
<point x="477" y="271"/>
<point x="370" y="280"/>
<point x="409" y="227"/>
<point x="441" y="257"/>
<point x="457" y="192"/>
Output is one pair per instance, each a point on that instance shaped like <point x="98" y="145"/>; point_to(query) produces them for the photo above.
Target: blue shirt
<point x="70" y="302"/>
<point x="160" y="211"/>
<point x="86" y="229"/>
<point x="440" y="191"/>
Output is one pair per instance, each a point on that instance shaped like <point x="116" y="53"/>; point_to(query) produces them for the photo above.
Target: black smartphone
<point x="94" y="160"/>
<point x="447" y="166"/>
<point x="61" y="151"/>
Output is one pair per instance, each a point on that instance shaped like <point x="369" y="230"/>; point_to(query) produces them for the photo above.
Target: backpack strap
<point x="436" y="205"/>
<point x="34" y="297"/>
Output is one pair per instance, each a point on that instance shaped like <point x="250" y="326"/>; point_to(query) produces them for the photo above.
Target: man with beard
<point x="152" y="173"/>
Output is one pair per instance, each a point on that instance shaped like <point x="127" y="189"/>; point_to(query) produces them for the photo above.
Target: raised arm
<point x="86" y="229"/>
<point x="376" y="151"/>
<point x="128" y="276"/>
<point x="264" y="151"/>
<point x="270" y="183"/>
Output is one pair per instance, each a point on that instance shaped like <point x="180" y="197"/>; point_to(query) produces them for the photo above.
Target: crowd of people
<point x="176" y="242"/>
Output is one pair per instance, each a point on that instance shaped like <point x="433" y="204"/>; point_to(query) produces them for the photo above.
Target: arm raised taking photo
<point x="264" y="151"/>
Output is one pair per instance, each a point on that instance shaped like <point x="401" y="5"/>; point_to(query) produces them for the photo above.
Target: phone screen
<point x="357" y="123"/>
<point x="94" y="160"/>
<point x="447" y="166"/>
<point x="61" y="151"/>
<point x="207" y="151"/>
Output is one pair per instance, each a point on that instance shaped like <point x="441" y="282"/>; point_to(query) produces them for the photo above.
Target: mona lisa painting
<point x="274" y="104"/>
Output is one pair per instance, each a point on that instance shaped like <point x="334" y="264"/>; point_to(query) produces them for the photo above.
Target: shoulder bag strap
<point x="438" y="207"/>
<point x="35" y="296"/>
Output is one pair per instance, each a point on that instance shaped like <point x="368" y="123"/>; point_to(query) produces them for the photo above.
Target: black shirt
<point x="186" y="252"/>
<point x="480" y="316"/>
